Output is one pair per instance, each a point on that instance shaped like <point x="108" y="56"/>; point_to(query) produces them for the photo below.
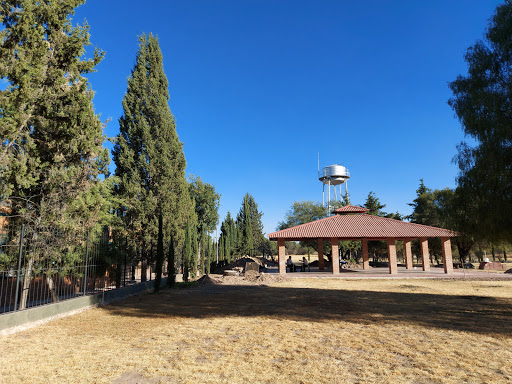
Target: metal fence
<point x="46" y="265"/>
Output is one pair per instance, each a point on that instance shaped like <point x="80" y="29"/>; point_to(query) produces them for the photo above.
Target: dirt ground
<point x="272" y="329"/>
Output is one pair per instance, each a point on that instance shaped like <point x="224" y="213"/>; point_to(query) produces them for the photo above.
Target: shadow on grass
<point x="478" y="314"/>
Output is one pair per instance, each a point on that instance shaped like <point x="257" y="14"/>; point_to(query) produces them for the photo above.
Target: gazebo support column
<point x="425" y="258"/>
<point x="392" y="257"/>
<point x="321" y="254"/>
<point x="335" y="256"/>
<point x="408" y="253"/>
<point x="282" y="256"/>
<point x="366" y="259"/>
<point x="446" y="245"/>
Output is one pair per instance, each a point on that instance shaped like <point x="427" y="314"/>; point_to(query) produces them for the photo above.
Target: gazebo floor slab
<point x="403" y="273"/>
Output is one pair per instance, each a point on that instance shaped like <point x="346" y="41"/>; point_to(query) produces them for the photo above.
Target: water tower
<point x="333" y="175"/>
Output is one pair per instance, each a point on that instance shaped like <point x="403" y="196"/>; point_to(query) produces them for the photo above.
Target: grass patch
<point x="292" y="331"/>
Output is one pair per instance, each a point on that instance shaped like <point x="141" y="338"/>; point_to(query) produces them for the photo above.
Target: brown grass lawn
<point x="290" y="331"/>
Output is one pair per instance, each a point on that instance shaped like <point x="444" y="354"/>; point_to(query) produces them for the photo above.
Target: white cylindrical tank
<point x="334" y="174"/>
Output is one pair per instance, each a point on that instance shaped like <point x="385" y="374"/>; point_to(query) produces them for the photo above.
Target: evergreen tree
<point x="51" y="152"/>
<point x="424" y="209"/>
<point x="221" y="251"/>
<point x="187" y="253"/>
<point x="256" y="223"/>
<point x="248" y="244"/>
<point x="194" y="260"/>
<point x="171" y="268"/>
<point x="150" y="163"/>
<point x="159" y="254"/>
<point x="374" y="205"/>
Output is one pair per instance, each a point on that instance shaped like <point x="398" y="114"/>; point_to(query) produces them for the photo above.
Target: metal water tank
<point x="334" y="174"/>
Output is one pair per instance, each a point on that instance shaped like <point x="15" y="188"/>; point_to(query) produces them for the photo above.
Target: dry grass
<point x="292" y="331"/>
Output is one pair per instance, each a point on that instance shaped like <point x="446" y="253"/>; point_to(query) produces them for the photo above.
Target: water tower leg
<point x="329" y="199"/>
<point x="323" y="195"/>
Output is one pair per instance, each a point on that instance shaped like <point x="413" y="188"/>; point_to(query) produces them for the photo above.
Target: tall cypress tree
<point x="171" y="274"/>
<point x="187" y="253"/>
<point x="51" y="150"/>
<point x="247" y="227"/>
<point x="159" y="254"/>
<point x="149" y="158"/>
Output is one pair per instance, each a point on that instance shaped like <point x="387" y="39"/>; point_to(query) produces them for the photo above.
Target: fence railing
<point x="40" y="265"/>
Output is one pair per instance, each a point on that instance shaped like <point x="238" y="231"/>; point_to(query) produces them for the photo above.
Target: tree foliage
<point x="482" y="100"/>
<point x="206" y="204"/>
<point x="302" y="212"/>
<point x="159" y="254"/>
<point x="51" y="152"/>
<point x="150" y="164"/>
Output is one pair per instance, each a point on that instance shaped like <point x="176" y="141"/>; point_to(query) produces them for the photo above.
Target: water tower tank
<point x="334" y="174"/>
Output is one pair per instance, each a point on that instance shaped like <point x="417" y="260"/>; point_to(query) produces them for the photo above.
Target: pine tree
<point x="374" y="205"/>
<point x="51" y="152"/>
<point x="150" y="163"/>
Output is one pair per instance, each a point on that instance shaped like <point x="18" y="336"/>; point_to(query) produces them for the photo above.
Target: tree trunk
<point x="51" y="289"/>
<point x="26" y="283"/>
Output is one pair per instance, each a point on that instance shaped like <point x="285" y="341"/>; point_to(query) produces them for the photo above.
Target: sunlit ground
<point x="291" y="331"/>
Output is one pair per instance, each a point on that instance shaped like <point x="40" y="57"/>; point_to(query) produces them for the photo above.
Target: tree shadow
<point x="477" y="314"/>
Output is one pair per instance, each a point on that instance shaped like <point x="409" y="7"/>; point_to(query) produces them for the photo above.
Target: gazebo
<point x="353" y="223"/>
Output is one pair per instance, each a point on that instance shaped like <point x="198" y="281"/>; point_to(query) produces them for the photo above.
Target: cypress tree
<point x="150" y="164"/>
<point x="159" y="254"/>
<point x="209" y="255"/>
<point x="247" y="227"/>
<point x="171" y="275"/>
<point x="193" y="256"/>
<point x="204" y="252"/>
<point x="51" y="152"/>
<point x="187" y="253"/>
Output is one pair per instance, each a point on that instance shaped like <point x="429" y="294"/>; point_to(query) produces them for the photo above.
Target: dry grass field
<point x="285" y="331"/>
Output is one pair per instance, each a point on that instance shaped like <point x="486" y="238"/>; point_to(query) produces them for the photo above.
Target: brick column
<point x="321" y="254"/>
<point x="425" y="258"/>
<point x="408" y="253"/>
<point x="366" y="260"/>
<point x="335" y="258"/>
<point x="392" y="257"/>
<point x="446" y="245"/>
<point x="282" y="256"/>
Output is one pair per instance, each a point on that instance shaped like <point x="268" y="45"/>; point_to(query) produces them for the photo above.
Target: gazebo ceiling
<point x="359" y="227"/>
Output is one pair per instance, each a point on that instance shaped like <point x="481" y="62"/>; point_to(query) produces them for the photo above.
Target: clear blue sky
<point x="259" y="87"/>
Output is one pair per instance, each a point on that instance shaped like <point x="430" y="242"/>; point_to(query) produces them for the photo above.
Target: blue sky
<point x="259" y="87"/>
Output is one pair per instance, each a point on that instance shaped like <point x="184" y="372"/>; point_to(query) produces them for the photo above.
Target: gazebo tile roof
<point x="351" y="209"/>
<point x="360" y="226"/>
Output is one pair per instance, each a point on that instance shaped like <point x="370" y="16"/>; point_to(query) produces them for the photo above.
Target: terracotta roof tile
<point x="350" y="209"/>
<point x="360" y="226"/>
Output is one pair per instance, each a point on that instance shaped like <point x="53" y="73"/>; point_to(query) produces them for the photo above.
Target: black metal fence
<point x="46" y="265"/>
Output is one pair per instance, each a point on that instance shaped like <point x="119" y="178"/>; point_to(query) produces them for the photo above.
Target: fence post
<point x="20" y="255"/>
<point x="86" y="263"/>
